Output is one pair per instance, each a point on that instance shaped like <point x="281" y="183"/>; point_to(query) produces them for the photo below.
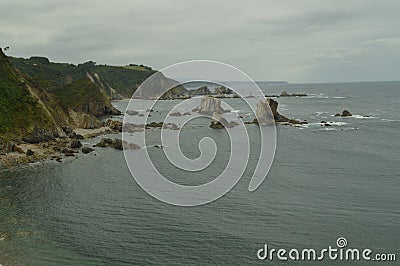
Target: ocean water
<point x="325" y="183"/>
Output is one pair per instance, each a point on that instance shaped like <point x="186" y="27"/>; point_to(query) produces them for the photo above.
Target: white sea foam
<point x="363" y="117"/>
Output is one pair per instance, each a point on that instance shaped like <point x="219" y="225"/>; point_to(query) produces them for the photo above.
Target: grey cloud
<point x="282" y="40"/>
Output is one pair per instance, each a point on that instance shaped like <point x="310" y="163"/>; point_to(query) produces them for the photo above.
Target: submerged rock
<point x="132" y="112"/>
<point x="176" y="114"/>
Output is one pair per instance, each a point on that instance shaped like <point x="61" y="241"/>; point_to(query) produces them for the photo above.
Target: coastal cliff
<point x="34" y="114"/>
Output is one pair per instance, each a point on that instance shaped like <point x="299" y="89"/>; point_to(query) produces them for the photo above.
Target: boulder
<point x="117" y="144"/>
<point x="346" y="113"/>
<point x="30" y="153"/>
<point x="86" y="150"/>
<point x="75" y="144"/>
<point x="132" y="112"/>
<point x="176" y="114"/>
<point x="114" y="125"/>
<point x="68" y="152"/>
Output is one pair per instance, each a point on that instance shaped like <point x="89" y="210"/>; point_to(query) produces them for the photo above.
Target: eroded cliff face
<point x="33" y="114"/>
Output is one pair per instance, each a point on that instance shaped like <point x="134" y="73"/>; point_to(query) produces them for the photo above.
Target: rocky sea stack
<point x="209" y="105"/>
<point x="267" y="113"/>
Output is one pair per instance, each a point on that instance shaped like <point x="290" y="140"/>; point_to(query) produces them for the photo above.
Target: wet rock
<point x="132" y="128"/>
<point x="68" y="152"/>
<point x="132" y="112"/>
<point x="67" y="130"/>
<point x="75" y="144"/>
<point x="176" y="114"/>
<point x="73" y="135"/>
<point x="285" y="94"/>
<point x="87" y="150"/>
<point x="346" y="113"/>
<point x="114" y="125"/>
<point x="117" y="144"/>
<point x="155" y="124"/>
<point x="170" y="126"/>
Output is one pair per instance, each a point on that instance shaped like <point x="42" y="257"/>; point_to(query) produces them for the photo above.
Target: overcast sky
<point x="297" y="41"/>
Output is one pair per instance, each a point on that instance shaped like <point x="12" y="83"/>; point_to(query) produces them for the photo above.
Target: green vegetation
<point x="52" y="76"/>
<point x="83" y="96"/>
<point x="20" y="112"/>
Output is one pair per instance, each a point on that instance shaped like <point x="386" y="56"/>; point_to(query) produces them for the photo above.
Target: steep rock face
<point x="263" y="114"/>
<point x="209" y="105"/>
<point x="267" y="113"/>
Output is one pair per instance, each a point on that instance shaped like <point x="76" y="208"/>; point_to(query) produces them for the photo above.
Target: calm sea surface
<point x="325" y="183"/>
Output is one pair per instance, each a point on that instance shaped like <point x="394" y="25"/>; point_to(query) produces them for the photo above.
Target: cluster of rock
<point x="117" y="144"/>
<point x="201" y="91"/>
<point x="286" y="94"/>
<point x="180" y="114"/>
<point x="222" y="90"/>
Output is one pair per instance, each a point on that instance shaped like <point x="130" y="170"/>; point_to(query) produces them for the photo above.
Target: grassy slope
<point x="82" y="96"/>
<point x="20" y="112"/>
<point x="50" y="75"/>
